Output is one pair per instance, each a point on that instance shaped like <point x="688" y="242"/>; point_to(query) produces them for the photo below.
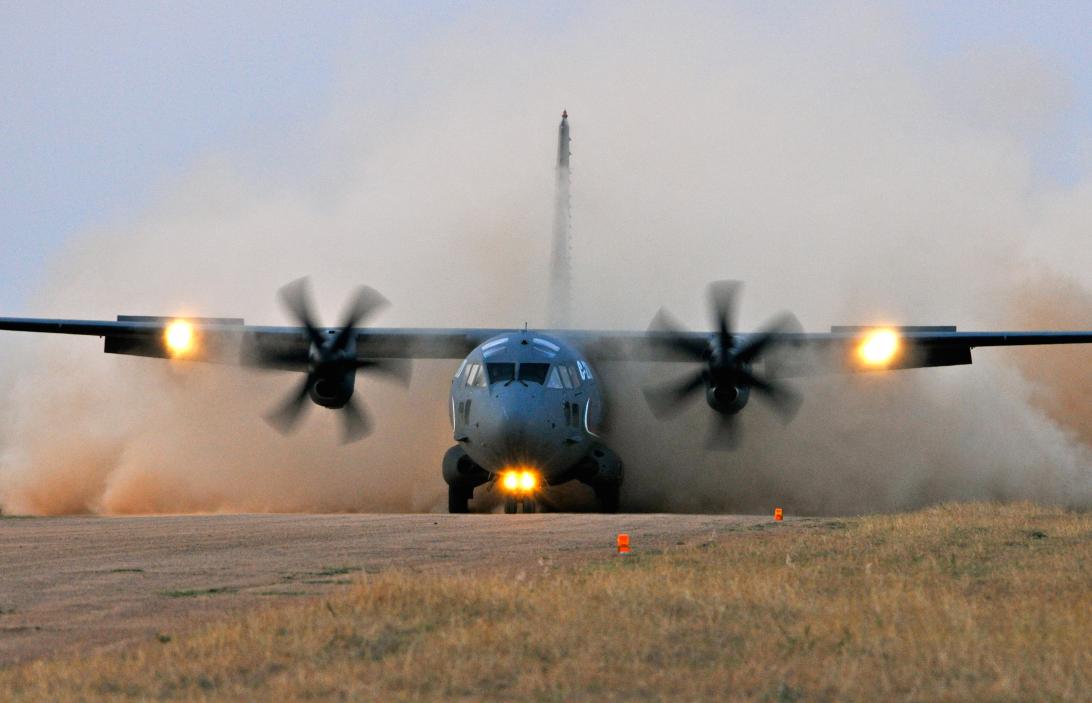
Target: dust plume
<point x="1062" y="383"/>
<point x="816" y="155"/>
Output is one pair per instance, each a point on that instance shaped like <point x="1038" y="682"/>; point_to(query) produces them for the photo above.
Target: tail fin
<point x="560" y="263"/>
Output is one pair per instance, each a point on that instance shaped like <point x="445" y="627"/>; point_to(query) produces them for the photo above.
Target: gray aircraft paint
<point x="528" y="400"/>
<point x="544" y="419"/>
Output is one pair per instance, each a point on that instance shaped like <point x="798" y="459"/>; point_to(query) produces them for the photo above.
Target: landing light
<point x="879" y="347"/>
<point x="179" y="337"/>
<point x="519" y="481"/>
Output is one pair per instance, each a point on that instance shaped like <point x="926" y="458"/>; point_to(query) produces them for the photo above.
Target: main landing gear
<point x="607" y="493"/>
<point x="462" y="476"/>
<point x="458" y="499"/>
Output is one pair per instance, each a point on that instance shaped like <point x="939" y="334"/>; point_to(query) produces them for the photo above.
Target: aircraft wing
<point x="844" y="348"/>
<point x="231" y="341"/>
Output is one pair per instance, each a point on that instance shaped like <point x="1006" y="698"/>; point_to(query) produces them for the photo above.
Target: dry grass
<point x="958" y="602"/>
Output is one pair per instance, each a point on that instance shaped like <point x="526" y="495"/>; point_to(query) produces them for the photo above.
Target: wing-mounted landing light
<point x="878" y="348"/>
<point x="726" y="375"/>
<point x="332" y="364"/>
<point x="179" y="338"/>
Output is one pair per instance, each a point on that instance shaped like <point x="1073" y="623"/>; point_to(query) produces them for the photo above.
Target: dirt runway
<point x="75" y="584"/>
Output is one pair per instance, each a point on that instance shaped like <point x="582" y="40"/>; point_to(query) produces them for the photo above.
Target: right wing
<point x="231" y="341"/>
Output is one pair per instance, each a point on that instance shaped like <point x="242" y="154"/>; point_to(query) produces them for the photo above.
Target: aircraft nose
<point x="514" y="430"/>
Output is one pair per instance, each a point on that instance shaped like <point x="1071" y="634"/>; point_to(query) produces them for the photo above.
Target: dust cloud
<point x="821" y="157"/>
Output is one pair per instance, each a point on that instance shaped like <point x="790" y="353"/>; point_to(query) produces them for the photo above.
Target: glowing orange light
<point x="179" y="337"/>
<point x="778" y="515"/>
<point x="519" y="481"/>
<point x="623" y="543"/>
<point x="879" y="347"/>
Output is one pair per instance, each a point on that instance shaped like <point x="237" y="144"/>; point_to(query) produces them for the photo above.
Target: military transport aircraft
<point x="527" y="406"/>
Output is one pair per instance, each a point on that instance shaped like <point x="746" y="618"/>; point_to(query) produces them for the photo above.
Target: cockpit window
<point x="569" y="377"/>
<point x="501" y="372"/>
<point x="533" y="372"/>
<point x="475" y="377"/>
<point x="554" y="379"/>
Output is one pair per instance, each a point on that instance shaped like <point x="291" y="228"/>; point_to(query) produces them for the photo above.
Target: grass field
<point x="957" y="602"/>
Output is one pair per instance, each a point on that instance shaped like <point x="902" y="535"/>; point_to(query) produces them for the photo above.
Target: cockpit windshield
<point x="501" y="372"/>
<point x="551" y="376"/>
<point x="533" y="372"/>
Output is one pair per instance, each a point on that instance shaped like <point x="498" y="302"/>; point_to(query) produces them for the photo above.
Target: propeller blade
<point x="757" y="343"/>
<point x="364" y="302"/>
<point x="356" y="421"/>
<point x="400" y="370"/>
<point x="673" y="334"/>
<point x="285" y="416"/>
<point x="297" y="300"/>
<point x="785" y="401"/>
<point x="666" y="399"/>
<point x="785" y="355"/>
<point x="724" y="433"/>
<point x="722" y="298"/>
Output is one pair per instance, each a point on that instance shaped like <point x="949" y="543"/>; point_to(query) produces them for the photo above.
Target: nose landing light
<point x="519" y="481"/>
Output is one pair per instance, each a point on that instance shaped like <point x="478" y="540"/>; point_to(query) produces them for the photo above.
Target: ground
<point x="957" y="602"/>
<point x="76" y="583"/>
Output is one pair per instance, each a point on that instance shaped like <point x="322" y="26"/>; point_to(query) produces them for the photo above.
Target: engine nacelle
<point x="333" y="390"/>
<point x="727" y="398"/>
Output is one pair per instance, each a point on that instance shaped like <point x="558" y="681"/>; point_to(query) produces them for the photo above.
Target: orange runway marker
<point x="777" y="514"/>
<point x="623" y="543"/>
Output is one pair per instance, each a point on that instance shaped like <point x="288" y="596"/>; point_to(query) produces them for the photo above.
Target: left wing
<point x="844" y="348"/>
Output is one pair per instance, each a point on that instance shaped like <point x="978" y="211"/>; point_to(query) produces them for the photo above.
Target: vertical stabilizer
<point x="560" y="262"/>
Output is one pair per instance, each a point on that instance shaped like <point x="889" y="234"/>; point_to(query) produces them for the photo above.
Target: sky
<point x="106" y="104"/>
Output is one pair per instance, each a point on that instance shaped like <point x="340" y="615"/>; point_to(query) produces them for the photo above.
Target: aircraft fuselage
<point x="526" y="401"/>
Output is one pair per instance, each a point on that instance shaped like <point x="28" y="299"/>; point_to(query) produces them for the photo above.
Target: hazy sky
<point x="104" y="103"/>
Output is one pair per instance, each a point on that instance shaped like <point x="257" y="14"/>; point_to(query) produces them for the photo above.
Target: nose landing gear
<point x="519" y="486"/>
<point x="512" y="504"/>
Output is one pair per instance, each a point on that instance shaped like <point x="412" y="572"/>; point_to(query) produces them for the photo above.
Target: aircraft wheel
<point x="608" y="496"/>
<point x="528" y="505"/>
<point x="510" y="506"/>
<point x="458" y="499"/>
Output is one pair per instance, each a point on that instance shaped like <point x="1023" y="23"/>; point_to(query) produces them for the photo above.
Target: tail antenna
<point x="560" y="262"/>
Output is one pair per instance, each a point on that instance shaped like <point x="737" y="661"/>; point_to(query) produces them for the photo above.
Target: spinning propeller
<point x="332" y="362"/>
<point x="726" y="374"/>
